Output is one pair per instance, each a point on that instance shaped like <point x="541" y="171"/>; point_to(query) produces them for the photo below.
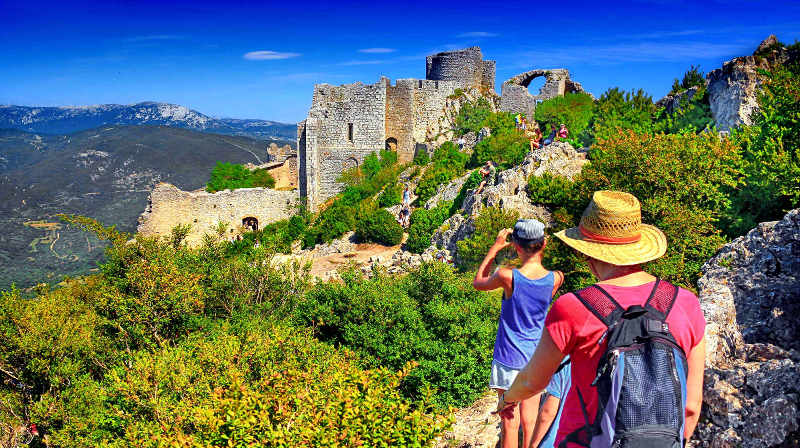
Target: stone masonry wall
<point x="326" y="146"/>
<point x="169" y="206"/>
<point x="517" y="99"/>
<point x="465" y="66"/>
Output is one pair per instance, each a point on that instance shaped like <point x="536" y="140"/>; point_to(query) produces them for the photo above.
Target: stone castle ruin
<point x="345" y="124"/>
<point x="516" y="97"/>
<point x="348" y="122"/>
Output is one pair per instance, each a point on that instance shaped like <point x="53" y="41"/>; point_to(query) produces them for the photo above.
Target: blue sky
<point x="260" y="60"/>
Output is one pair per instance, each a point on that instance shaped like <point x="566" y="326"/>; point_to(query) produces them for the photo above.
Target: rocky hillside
<point x="750" y="295"/>
<point x="104" y="173"/>
<point x="65" y="120"/>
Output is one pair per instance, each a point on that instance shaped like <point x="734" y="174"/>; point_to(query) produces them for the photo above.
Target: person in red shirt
<point x="562" y="131"/>
<point x="615" y="244"/>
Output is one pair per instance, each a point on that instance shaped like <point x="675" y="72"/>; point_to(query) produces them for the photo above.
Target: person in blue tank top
<point x="527" y="292"/>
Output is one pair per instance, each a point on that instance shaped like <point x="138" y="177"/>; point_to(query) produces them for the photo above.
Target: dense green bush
<point x="448" y="163"/>
<point x="230" y="176"/>
<point x="682" y="182"/>
<point x="378" y="226"/>
<point x="770" y="150"/>
<point x="488" y="223"/>
<point x="478" y="114"/>
<point x="474" y="179"/>
<point x="573" y="109"/>
<point x="506" y="148"/>
<point x="617" y="109"/>
<point x="421" y="158"/>
<point x="692" y="78"/>
<point x="550" y="190"/>
<point x="392" y="195"/>
<point x="432" y="316"/>
<point x="423" y="223"/>
<point x="363" y="183"/>
<point x="693" y="115"/>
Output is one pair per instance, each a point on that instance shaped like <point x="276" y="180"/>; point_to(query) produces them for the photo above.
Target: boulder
<point x="750" y="295"/>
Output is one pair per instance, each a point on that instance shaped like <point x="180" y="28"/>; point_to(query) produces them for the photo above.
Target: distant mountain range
<point x="65" y="120"/>
<point x="106" y="173"/>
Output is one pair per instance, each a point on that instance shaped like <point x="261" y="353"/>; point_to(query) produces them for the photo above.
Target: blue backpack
<point x="641" y="376"/>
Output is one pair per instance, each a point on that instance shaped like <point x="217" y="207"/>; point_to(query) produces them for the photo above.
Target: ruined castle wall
<point x="169" y="206"/>
<point x="345" y="124"/>
<point x="516" y="98"/>
<point x="489" y="69"/>
<point x="466" y="67"/>
<point x="399" y="123"/>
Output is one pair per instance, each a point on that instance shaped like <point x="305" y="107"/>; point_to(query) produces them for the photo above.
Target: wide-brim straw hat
<point x="611" y="230"/>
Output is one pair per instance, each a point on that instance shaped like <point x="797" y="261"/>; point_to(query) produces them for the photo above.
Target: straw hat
<point x="611" y="230"/>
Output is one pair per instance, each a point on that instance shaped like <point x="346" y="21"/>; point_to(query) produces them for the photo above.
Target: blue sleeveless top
<point x="521" y="319"/>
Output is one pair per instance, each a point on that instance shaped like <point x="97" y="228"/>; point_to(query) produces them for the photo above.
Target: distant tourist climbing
<point x="406" y="196"/>
<point x="489" y="173"/>
<point x="636" y="342"/>
<point x="527" y="292"/>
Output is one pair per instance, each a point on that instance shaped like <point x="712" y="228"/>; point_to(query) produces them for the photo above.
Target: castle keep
<point x="348" y="122"/>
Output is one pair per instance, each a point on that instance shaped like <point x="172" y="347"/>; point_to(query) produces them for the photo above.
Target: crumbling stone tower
<point x="348" y="122"/>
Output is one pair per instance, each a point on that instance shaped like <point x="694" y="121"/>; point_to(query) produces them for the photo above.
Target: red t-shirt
<point x="576" y="331"/>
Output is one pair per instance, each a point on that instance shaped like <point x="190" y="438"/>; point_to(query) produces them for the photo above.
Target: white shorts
<point x="501" y="376"/>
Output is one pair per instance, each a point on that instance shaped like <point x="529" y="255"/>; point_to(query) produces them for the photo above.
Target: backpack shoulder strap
<point x="662" y="299"/>
<point x="601" y="304"/>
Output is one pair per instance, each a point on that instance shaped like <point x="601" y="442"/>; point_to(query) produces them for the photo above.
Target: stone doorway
<point x="250" y="224"/>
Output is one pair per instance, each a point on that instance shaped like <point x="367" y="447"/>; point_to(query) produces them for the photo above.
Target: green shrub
<point x="472" y="182"/>
<point x="681" y="181"/>
<point x="230" y="176"/>
<point x="478" y="114"/>
<point x="506" y="148"/>
<point x="379" y="226"/>
<point x="423" y="223"/>
<point x="770" y="149"/>
<point x="243" y="385"/>
<point x="692" y="78"/>
<point x="574" y="110"/>
<point x="617" y="109"/>
<point x="551" y="190"/>
<point x="421" y="158"/>
<point x="392" y="195"/>
<point x="488" y="223"/>
<point x="431" y="316"/>
<point x="448" y="163"/>
<point x="693" y="115"/>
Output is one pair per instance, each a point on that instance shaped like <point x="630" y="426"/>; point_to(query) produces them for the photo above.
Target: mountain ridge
<point x="68" y="119"/>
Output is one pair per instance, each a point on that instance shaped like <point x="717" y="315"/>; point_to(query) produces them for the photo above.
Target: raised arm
<point x="694" y="387"/>
<point x="484" y="280"/>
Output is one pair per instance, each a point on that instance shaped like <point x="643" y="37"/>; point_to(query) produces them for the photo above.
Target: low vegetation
<point x="230" y="176"/>
<point x="423" y="223"/>
<point x="447" y="164"/>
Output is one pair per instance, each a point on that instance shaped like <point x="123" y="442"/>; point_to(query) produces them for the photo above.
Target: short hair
<point x="530" y="246"/>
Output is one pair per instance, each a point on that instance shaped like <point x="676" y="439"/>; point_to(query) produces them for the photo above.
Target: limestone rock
<point x="750" y="295"/>
<point x="672" y="102"/>
<point x="448" y="192"/>
<point x="733" y="89"/>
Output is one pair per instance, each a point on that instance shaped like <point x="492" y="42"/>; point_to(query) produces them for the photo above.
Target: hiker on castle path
<point x="406" y="196"/>
<point x="489" y="173"/>
<point x="536" y="138"/>
<point x="614" y="258"/>
<point x="527" y="292"/>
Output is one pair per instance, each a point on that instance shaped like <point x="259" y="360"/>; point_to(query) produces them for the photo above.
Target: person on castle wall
<point x="489" y="173"/>
<point x="642" y="316"/>
<point x="563" y="132"/>
<point x="527" y="292"/>
<point x="553" y="133"/>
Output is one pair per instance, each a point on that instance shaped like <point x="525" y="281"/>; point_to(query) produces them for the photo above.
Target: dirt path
<point x="475" y="426"/>
<point x="361" y="255"/>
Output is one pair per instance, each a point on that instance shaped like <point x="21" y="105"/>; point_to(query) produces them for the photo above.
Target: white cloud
<point x="377" y="50"/>
<point x="365" y="62"/>
<point x="268" y="55"/>
<point x="477" y="34"/>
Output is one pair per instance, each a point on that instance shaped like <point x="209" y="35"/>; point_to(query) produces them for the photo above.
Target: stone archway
<point x="391" y="144"/>
<point x="349" y="163"/>
<point x="250" y="223"/>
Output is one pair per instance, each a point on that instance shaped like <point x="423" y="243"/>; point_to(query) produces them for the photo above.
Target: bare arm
<point x="484" y="280"/>
<point x="545" y="419"/>
<point x="694" y="387"/>
<point x="535" y="376"/>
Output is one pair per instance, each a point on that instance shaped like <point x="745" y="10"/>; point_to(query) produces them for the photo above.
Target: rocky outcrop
<point x="750" y="294"/>
<point x="733" y="89"/>
<point x="510" y="192"/>
<point x="672" y="102"/>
